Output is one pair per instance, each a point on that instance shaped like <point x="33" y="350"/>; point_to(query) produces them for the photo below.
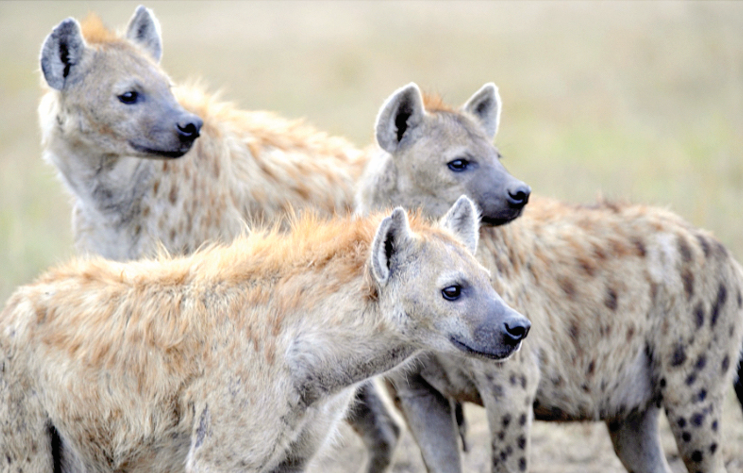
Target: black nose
<point x="519" y="196"/>
<point x="517" y="329"/>
<point x="188" y="130"/>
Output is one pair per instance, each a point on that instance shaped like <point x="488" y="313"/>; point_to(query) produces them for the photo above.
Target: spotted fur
<point x="238" y="358"/>
<point x="633" y="309"/>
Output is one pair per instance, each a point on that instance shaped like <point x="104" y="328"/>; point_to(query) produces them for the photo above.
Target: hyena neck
<point x="507" y="250"/>
<point x="326" y="360"/>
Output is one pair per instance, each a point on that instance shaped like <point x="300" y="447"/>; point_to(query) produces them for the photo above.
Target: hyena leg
<point x="739" y="384"/>
<point x="636" y="440"/>
<point x="369" y="418"/>
<point x="696" y="428"/>
<point x="430" y="420"/>
<point x="28" y="442"/>
<point x="508" y="396"/>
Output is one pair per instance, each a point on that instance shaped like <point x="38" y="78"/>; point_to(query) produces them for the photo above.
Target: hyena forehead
<point x="445" y="135"/>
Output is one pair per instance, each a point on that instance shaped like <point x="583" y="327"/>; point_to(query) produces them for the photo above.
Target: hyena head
<point x="440" y="153"/>
<point x="113" y="96"/>
<point x="441" y="298"/>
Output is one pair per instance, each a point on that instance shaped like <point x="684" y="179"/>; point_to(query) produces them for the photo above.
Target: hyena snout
<point x="188" y="128"/>
<point x="518" y="195"/>
<point x="497" y="335"/>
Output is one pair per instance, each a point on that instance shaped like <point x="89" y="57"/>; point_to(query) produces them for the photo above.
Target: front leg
<point x="429" y="416"/>
<point x="508" y="390"/>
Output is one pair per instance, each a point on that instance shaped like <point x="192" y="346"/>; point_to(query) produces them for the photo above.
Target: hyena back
<point x="239" y="358"/>
<point x="634" y="310"/>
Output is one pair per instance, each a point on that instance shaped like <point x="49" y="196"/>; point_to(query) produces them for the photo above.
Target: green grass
<point x="636" y="101"/>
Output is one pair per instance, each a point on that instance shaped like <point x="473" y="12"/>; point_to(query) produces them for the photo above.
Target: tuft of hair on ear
<point x="144" y="31"/>
<point x="463" y="220"/>
<point x="391" y="235"/>
<point x="485" y="106"/>
<point x="61" y="52"/>
<point x="402" y="111"/>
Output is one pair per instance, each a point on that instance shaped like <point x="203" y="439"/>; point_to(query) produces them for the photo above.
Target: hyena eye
<point x="458" y="165"/>
<point x="452" y="293"/>
<point x="128" y="97"/>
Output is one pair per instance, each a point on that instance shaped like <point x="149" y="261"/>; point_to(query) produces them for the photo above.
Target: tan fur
<point x="633" y="309"/>
<point x="235" y="358"/>
<point x="245" y="167"/>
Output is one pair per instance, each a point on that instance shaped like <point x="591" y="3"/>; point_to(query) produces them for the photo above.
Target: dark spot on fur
<point x="497" y="390"/>
<point x="697" y="419"/>
<point x="684" y="249"/>
<point x="704" y="244"/>
<point x="714" y="425"/>
<point x="699" y="315"/>
<point x="587" y="266"/>
<point x="681" y="422"/>
<point x="567" y="287"/>
<point x="509" y="450"/>
<point x="522" y="419"/>
<point x="697" y="456"/>
<point x="663" y="382"/>
<point x="688" y="277"/>
<point x="740" y="300"/>
<point x="702" y="395"/>
<point x="630" y="333"/>
<point x="173" y="196"/>
<point x="713" y="448"/>
<point x="591" y="368"/>
<point x="512" y="379"/>
<point x="522" y="464"/>
<point x="725" y="363"/>
<point x="503" y="455"/>
<point x="722" y="295"/>
<point x="679" y="355"/>
<point x="639" y="246"/>
<point x="574" y="331"/>
<point x="203" y="426"/>
<point x="611" y="299"/>
<point x="690" y="379"/>
<point x="523" y="382"/>
<point x="506" y="420"/>
<point x="686" y="436"/>
<point x="701" y="362"/>
<point x="521" y="442"/>
<point x="501" y="435"/>
<point x="585" y="388"/>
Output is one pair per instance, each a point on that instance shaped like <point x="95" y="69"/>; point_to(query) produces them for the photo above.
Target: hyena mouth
<point x="162" y="153"/>
<point x="495" y="221"/>
<point x="502" y="354"/>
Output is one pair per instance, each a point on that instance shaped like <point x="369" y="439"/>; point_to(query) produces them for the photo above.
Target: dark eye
<point x="458" y="165"/>
<point x="128" y="97"/>
<point x="452" y="293"/>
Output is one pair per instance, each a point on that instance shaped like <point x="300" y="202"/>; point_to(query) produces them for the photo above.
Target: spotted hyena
<point x="634" y="311"/>
<point x="238" y="358"/>
<point x="149" y="164"/>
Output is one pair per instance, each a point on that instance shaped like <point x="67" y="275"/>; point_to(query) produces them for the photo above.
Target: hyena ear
<point x="392" y="234"/>
<point x="463" y="220"/>
<point x="63" y="49"/>
<point x="144" y="30"/>
<point x="400" y="113"/>
<point x="485" y="105"/>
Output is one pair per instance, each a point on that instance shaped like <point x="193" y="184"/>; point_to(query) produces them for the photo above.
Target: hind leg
<point x="369" y="418"/>
<point x="636" y="440"/>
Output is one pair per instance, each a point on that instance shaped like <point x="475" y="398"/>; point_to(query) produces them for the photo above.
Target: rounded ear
<point x="463" y="220"/>
<point x="485" y="105"/>
<point x="401" y="112"/>
<point x="63" y="49"/>
<point x="144" y="31"/>
<point x="391" y="235"/>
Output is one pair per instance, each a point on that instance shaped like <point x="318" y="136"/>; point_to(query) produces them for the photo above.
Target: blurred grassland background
<point x="637" y="101"/>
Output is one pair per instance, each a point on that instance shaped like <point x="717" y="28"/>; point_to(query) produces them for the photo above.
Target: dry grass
<point x="639" y="101"/>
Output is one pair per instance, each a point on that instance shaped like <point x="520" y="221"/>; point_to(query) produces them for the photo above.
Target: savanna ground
<point x="632" y="101"/>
